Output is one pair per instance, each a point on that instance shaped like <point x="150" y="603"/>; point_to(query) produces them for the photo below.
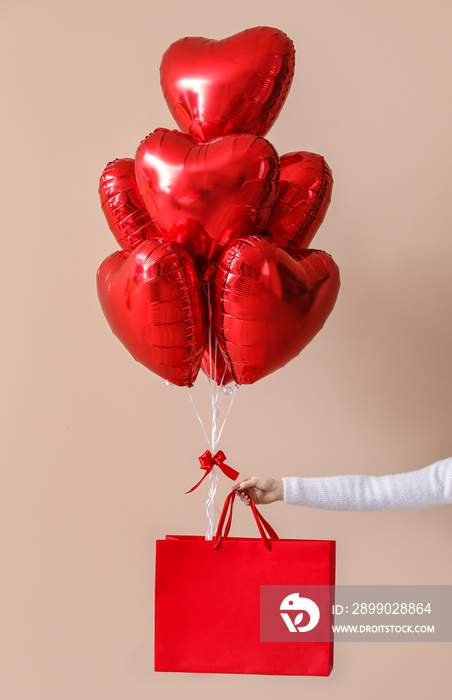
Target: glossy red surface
<point x="304" y="195"/>
<point x="267" y="306"/>
<point x="154" y="301"/>
<point x="231" y="86"/>
<point x="204" y="196"/>
<point x="123" y="206"/>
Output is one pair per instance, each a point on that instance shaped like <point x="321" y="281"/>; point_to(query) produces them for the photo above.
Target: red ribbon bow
<point x="208" y="462"/>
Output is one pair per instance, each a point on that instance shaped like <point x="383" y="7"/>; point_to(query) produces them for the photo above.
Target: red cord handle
<point x="265" y="529"/>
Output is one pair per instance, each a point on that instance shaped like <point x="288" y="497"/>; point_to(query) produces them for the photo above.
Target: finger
<point x="246" y="484"/>
<point x="239" y="486"/>
<point x="244" y="497"/>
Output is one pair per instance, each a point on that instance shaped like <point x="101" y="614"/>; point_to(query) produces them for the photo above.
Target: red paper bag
<point x="225" y="606"/>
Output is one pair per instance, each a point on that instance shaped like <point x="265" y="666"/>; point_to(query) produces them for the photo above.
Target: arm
<point x="430" y="486"/>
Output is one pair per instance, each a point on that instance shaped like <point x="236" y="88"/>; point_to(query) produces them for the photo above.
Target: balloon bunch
<point x="215" y="269"/>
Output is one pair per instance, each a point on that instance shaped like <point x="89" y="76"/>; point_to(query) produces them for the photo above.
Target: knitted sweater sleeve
<point x="430" y="486"/>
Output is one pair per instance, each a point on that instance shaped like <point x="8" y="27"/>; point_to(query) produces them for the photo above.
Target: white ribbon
<point x="217" y="391"/>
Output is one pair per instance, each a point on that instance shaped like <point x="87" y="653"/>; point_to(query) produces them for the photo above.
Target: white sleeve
<point x="430" y="486"/>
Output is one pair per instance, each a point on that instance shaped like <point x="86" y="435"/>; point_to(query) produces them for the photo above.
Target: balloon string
<point x="234" y="392"/>
<point x="213" y="477"/>
<point x="216" y="396"/>
<point x="199" y="417"/>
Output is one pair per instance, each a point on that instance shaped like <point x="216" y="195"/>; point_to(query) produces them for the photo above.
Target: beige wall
<point x="97" y="452"/>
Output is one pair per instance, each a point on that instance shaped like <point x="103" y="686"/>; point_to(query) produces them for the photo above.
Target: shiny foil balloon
<point x="235" y="85"/>
<point x="124" y="209"/>
<point x="154" y="300"/>
<point x="205" y="195"/>
<point x="267" y="305"/>
<point x="304" y="195"/>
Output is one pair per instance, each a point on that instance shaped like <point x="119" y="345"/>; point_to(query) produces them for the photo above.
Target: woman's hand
<point x="261" y="490"/>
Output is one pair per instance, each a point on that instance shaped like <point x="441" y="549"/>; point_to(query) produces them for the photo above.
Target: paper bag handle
<point x="265" y="529"/>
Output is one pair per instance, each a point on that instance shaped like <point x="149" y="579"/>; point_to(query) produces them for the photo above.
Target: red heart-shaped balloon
<point x="267" y="306"/>
<point x="304" y="195"/>
<point x="154" y="300"/>
<point x="204" y="196"/>
<point x="235" y="85"/>
<point x="123" y="206"/>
